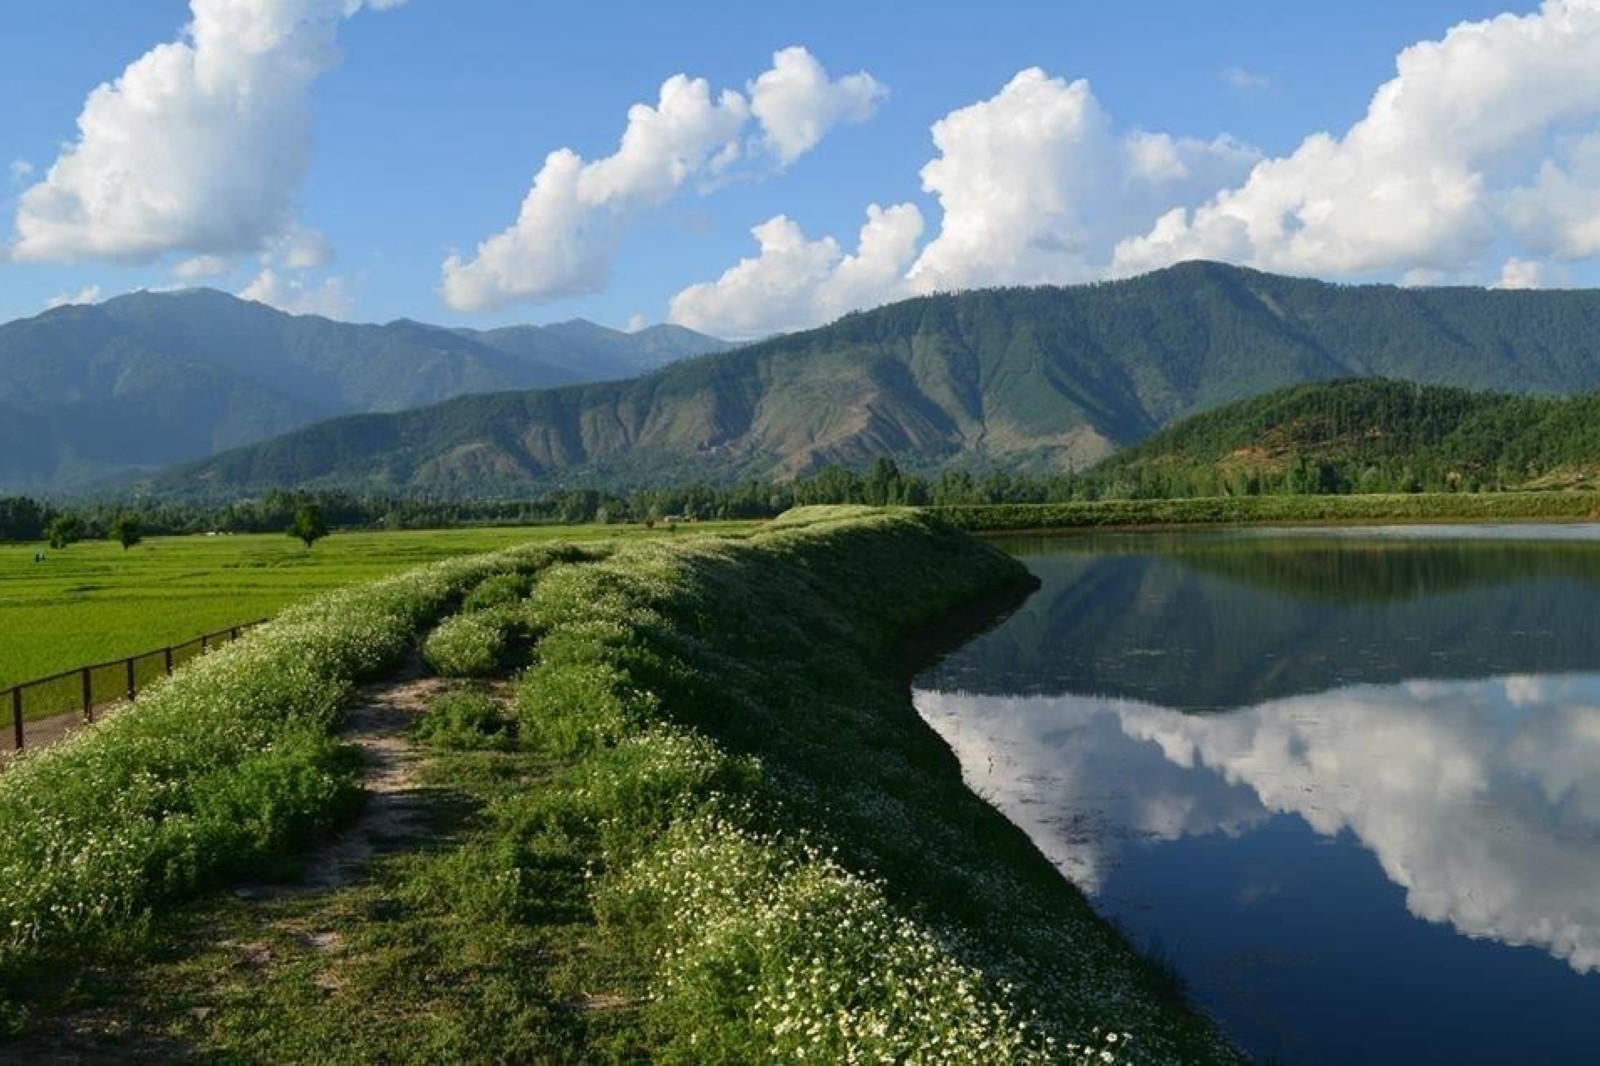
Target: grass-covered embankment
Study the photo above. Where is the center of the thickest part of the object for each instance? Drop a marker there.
(779, 852)
(704, 825)
(1225, 510)
(226, 768)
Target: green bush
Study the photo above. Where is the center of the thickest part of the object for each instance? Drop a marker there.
(465, 719)
(501, 590)
(475, 644)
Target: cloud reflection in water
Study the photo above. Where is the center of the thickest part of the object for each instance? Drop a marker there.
(1480, 798)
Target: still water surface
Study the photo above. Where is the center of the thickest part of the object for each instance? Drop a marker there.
(1349, 784)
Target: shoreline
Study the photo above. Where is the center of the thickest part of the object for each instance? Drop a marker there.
(1255, 511)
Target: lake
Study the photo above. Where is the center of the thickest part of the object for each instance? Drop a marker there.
(1346, 782)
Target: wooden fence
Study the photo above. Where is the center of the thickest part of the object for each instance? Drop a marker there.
(47, 709)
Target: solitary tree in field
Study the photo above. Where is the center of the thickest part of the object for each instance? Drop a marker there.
(309, 526)
(128, 531)
(64, 529)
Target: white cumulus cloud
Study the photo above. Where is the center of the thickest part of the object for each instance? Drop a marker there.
(294, 294)
(198, 146)
(1470, 143)
(570, 225)
(796, 103)
(1036, 186)
(794, 282)
(1521, 274)
(302, 249)
(89, 294)
(202, 266)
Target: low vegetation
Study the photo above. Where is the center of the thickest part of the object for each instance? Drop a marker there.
(94, 601)
(226, 767)
(704, 825)
(1221, 510)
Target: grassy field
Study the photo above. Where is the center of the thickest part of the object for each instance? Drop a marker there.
(94, 602)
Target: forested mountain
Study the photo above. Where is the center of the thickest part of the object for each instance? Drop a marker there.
(1034, 380)
(1366, 435)
(153, 378)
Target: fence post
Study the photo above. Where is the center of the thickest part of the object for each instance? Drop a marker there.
(88, 696)
(167, 654)
(204, 641)
(130, 679)
(233, 634)
(16, 715)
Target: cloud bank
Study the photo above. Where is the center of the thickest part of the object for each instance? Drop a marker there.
(1485, 136)
(199, 145)
(1035, 185)
(1479, 160)
(295, 294)
(570, 225)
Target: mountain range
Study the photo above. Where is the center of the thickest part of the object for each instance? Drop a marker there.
(1029, 379)
(153, 378)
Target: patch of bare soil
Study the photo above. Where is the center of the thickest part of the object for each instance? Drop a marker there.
(379, 725)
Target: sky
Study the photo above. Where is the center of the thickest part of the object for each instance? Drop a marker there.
(745, 169)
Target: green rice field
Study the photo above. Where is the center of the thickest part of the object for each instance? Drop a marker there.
(93, 601)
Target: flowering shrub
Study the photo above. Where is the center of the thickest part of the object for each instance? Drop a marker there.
(472, 644)
(770, 949)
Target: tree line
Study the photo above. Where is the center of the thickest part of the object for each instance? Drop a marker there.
(884, 483)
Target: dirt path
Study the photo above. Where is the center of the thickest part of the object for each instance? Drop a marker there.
(263, 935)
(378, 723)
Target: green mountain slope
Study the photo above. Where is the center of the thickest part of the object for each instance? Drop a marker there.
(1368, 435)
(1031, 379)
(150, 379)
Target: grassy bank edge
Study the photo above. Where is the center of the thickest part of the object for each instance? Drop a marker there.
(1286, 510)
(775, 828)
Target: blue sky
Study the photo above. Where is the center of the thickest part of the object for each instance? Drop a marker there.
(383, 138)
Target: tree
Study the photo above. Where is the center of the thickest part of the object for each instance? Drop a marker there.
(309, 526)
(64, 529)
(127, 531)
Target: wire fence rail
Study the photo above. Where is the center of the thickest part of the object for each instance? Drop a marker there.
(49, 708)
